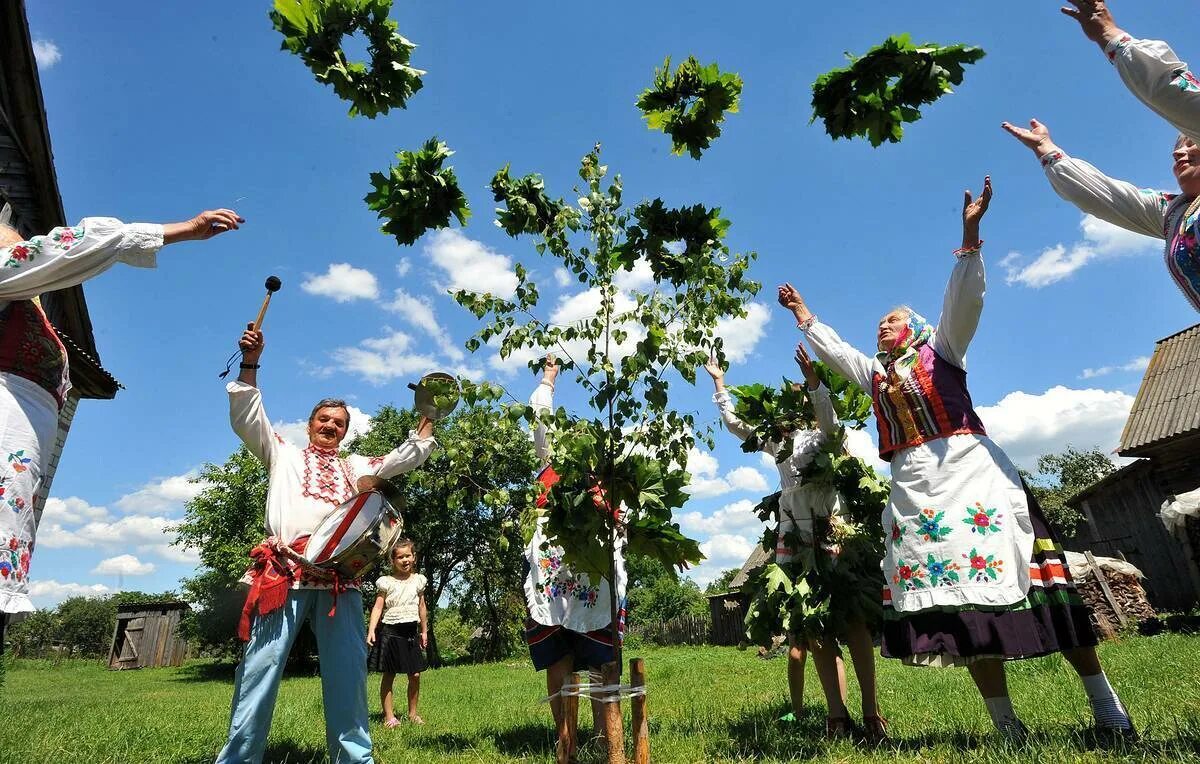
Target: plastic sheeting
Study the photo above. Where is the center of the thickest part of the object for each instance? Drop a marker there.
(1175, 512)
(1081, 568)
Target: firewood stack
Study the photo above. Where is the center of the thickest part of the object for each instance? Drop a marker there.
(1123, 604)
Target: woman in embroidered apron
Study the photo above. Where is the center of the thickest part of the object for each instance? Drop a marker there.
(799, 504)
(1152, 71)
(974, 574)
(34, 378)
(567, 627)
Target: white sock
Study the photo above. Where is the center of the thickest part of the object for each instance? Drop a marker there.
(1003, 715)
(1106, 706)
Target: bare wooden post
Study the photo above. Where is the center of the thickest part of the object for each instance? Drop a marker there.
(568, 732)
(1108, 595)
(641, 726)
(614, 724)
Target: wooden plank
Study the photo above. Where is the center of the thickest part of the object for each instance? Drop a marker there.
(641, 724)
(568, 730)
(614, 724)
(112, 649)
(1108, 595)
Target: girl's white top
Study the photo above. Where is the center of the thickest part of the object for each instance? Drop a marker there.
(554, 594)
(401, 597)
(306, 484)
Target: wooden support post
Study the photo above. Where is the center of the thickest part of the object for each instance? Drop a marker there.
(568, 732)
(641, 726)
(614, 724)
(1108, 595)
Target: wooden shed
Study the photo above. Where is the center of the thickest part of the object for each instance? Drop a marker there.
(728, 609)
(147, 636)
(1122, 509)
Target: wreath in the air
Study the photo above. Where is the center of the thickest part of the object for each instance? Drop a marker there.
(314, 29)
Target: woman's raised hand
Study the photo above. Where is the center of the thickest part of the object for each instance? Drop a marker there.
(1036, 138)
(973, 211)
(714, 369)
(549, 369)
(790, 298)
(1095, 20)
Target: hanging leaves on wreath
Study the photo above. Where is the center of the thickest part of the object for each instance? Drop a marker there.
(690, 104)
(314, 29)
(418, 193)
(884, 88)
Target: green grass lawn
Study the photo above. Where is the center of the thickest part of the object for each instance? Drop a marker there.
(707, 704)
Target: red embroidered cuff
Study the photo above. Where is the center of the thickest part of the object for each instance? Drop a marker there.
(1115, 46)
(968, 251)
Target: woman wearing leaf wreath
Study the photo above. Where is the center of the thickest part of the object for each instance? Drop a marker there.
(799, 506)
(975, 577)
(568, 617)
(1153, 73)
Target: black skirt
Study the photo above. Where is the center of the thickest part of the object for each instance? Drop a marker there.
(397, 649)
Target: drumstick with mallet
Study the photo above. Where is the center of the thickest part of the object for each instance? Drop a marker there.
(273, 285)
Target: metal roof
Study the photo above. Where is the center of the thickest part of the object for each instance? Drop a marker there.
(1167, 407)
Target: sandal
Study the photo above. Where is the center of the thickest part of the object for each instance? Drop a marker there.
(875, 729)
(838, 727)
(393, 722)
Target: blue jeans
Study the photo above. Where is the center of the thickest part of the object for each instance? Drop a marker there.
(342, 647)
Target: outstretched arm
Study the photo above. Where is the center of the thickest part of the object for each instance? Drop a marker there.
(827, 420)
(542, 402)
(246, 413)
(1115, 201)
(70, 255)
(826, 343)
(724, 401)
(963, 302)
(1149, 68)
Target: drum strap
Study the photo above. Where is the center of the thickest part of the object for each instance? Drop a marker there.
(343, 526)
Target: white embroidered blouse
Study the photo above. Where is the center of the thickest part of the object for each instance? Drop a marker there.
(305, 484)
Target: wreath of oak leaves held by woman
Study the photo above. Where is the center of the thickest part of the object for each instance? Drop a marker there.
(418, 193)
(313, 30)
(796, 597)
(627, 452)
(690, 104)
(881, 90)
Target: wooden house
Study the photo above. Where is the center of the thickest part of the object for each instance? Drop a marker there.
(147, 636)
(727, 610)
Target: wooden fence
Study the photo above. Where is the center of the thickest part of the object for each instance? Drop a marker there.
(722, 627)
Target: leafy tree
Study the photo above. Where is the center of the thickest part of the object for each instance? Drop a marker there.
(85, 625)
(690, 104)
(34, 634)
(1059, 477)
(626, 452)
(656, 594)
(720, 584)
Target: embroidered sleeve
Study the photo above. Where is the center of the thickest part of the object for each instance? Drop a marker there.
(961, 308)
(406, 457)
(250, 422)
(1123, 204)
(70, 255)
(542, 402)
(839, 354)
(1153, 73)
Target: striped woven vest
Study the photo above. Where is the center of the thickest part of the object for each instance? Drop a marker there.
(932, 403)
(30, 348)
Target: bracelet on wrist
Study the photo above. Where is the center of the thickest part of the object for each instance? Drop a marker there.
(973, 249)
(806, 323)
(244, 365)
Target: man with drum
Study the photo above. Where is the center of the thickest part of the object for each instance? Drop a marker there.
(305, 484)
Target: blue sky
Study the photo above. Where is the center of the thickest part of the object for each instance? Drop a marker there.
(157, 111)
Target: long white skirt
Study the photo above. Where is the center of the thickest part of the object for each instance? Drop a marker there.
(28, 425)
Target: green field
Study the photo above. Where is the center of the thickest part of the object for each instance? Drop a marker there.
(707, 704)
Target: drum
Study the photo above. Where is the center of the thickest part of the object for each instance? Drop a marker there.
(352, 538)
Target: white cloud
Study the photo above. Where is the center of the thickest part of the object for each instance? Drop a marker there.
(1027, 426)
(297, 432)
(381, 359)
(123, 565)
(403, 267)
(861, 443)
(163, 496)
(640, 277)
(419, 312)
(1137, 364)
(344, 283)
(471, 265)
(563, 277)
(741, 335)
(71, 510)
(747, 479)
(737, 518)
(1100, 240)
(180, 554)
(46, 53)
(48, 593)
(722, 552)
(701, 463)
(128, 531)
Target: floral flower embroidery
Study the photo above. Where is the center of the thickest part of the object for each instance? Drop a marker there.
(16, 504)
(983, 569)
(929, 525)
(983, 521)
(66, 237)
(1187, 82)
(898, 532)
(18, 461)
(942, 572)
(561, 582)
(908, 576)
(19, 254)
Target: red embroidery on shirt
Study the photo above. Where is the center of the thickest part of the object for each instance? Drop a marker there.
(326, 477)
